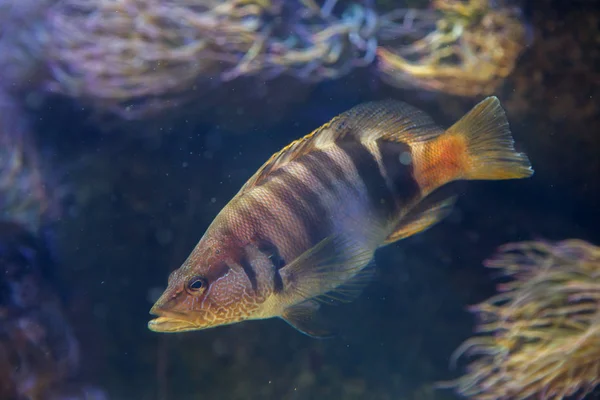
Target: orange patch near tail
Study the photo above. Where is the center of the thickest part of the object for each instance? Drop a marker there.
(442, 160)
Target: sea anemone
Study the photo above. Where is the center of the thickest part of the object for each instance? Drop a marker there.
(540, 336)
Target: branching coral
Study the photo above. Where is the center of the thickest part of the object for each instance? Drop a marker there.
(540, 336)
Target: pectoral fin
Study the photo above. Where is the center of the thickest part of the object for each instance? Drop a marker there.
(304, 317)
(321, 269)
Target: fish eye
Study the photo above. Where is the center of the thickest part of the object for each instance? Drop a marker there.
(196, 284)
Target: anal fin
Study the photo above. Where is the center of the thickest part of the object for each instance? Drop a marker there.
(304, 318)
(422, 217)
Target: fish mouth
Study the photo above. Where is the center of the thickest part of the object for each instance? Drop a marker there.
(168, 322)
(168, 325)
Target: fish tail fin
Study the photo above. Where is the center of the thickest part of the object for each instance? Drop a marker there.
(488, 152)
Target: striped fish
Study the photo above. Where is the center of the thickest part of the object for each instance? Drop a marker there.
(305, 227)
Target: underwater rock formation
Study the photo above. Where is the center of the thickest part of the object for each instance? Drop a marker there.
(23, 193)
(39, 354)
(554, 95)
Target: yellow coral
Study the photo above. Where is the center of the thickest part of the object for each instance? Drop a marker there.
(540, 336)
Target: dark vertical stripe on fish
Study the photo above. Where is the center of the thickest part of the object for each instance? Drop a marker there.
(367, 168)
(321, 161)
(317, 165)
(272, 252)
(314, 216)
(249, 270)
(398, 172)
(277, 282)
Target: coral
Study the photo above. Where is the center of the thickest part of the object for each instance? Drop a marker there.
(540, 336)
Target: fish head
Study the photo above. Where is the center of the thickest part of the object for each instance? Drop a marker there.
(208, 290)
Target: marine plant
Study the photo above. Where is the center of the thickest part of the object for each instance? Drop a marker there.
(540, 336)
(137, 57)
(473, 47)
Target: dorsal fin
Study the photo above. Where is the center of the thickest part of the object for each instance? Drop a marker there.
(388, 119)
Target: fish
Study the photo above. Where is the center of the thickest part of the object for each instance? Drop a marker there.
(303, 230)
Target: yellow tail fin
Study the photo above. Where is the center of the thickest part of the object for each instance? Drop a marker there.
(489, 146)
